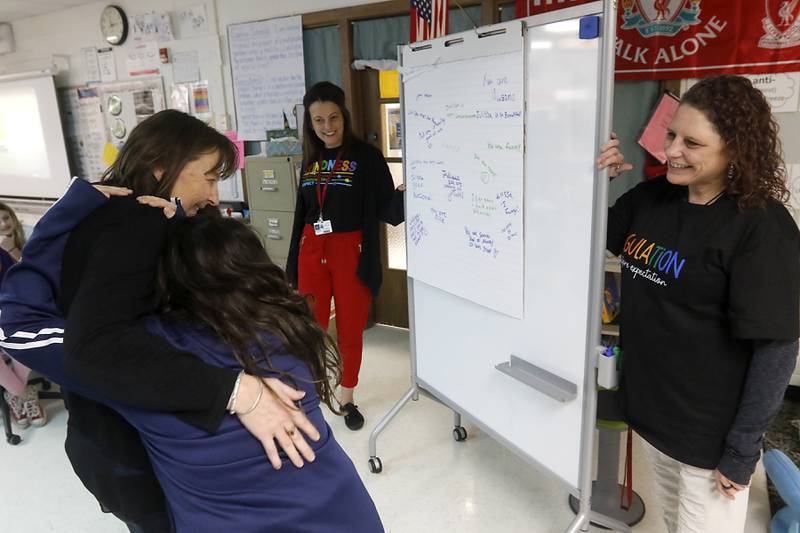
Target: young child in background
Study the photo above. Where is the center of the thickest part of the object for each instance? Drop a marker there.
(22, 399)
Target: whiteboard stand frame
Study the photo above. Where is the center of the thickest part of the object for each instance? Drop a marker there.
(585, 515)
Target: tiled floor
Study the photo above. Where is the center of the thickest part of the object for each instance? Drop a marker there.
(430, 483)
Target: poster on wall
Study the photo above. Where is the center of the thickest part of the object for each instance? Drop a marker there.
(192, 98)
(268, 73)
(143, 59)
(126, 104)
(90, 64)
(151, 25)
(85, 130)
(107, 65)
(191, 21)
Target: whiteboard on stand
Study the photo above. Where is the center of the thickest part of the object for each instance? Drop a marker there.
(470, 313)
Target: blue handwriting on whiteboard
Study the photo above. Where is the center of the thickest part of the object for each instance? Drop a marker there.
(503, 97)
(508, 232)
(453, 184)
(482, 242)
(415, 163)
(485, 114)
(416, 229)
(506, 199)
(439, 216)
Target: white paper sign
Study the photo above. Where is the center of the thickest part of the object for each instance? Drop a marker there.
(465, 191)
(793, 174)
(107, 64)
(268, 73)
(85, 131)
(151, 25)
(90, 64)
(191, 21)
(782, 90)
(143, 59)
(185, 66)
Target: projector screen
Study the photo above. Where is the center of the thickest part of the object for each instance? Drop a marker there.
(33, 157)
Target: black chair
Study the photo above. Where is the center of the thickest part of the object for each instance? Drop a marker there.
(44, 394)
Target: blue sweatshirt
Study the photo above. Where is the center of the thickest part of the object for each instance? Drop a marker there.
(213, 482)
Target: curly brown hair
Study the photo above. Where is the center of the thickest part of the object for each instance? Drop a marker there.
(215, 271)
(741, 115)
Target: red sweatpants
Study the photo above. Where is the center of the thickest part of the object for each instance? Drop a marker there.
(327, 267)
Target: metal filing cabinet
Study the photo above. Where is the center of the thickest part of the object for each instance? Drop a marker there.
(272, 194)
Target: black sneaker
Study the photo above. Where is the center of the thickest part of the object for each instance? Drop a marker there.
(353, 418)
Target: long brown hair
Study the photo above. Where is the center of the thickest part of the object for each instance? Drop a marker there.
(18, 232)
(215, 270)
(323, 91)
(167, 140)
(742, 117)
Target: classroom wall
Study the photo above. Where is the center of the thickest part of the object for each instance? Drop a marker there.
(57, 38)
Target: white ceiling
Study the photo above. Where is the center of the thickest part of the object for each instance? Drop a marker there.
(11, 10)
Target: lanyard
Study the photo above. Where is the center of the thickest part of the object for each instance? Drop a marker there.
(322, 194)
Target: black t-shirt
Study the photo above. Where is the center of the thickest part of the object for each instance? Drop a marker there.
(360, 194)
(699, 284)
(346, 174)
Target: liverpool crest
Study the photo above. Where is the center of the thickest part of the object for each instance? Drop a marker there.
(781, 24)
(660, 17)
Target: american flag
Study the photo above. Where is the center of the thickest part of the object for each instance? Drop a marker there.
(428, 19)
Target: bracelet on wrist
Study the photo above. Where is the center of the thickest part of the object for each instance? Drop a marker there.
(257, 401)
(232, 399)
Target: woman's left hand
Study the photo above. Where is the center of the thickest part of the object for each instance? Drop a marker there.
(726, 487)
(154, 201)
(401, 187)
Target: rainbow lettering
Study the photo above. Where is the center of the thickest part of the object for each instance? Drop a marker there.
(653, 255)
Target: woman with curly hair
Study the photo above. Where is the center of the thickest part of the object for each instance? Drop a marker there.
(711, 301)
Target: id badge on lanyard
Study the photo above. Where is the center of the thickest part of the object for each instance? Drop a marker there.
(322, 226)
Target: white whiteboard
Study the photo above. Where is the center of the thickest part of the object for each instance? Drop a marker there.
(33, 156)
(268, 73)
(465, 188)
(456, 342)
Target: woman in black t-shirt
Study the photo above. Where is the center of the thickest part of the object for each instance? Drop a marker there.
(345, 190)
(710, 301)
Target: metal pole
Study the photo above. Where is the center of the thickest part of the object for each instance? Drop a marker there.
(597, 262)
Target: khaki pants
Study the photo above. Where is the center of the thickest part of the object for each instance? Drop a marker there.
(690, 498)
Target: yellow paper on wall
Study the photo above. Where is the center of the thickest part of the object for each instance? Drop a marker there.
(389, 83)
(109, 154)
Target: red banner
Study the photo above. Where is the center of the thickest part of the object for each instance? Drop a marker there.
(662, 39)
(525, 8)
(671, 39)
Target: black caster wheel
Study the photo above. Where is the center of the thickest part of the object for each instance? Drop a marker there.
(460, 434)
(375, 465)
(13, 439)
